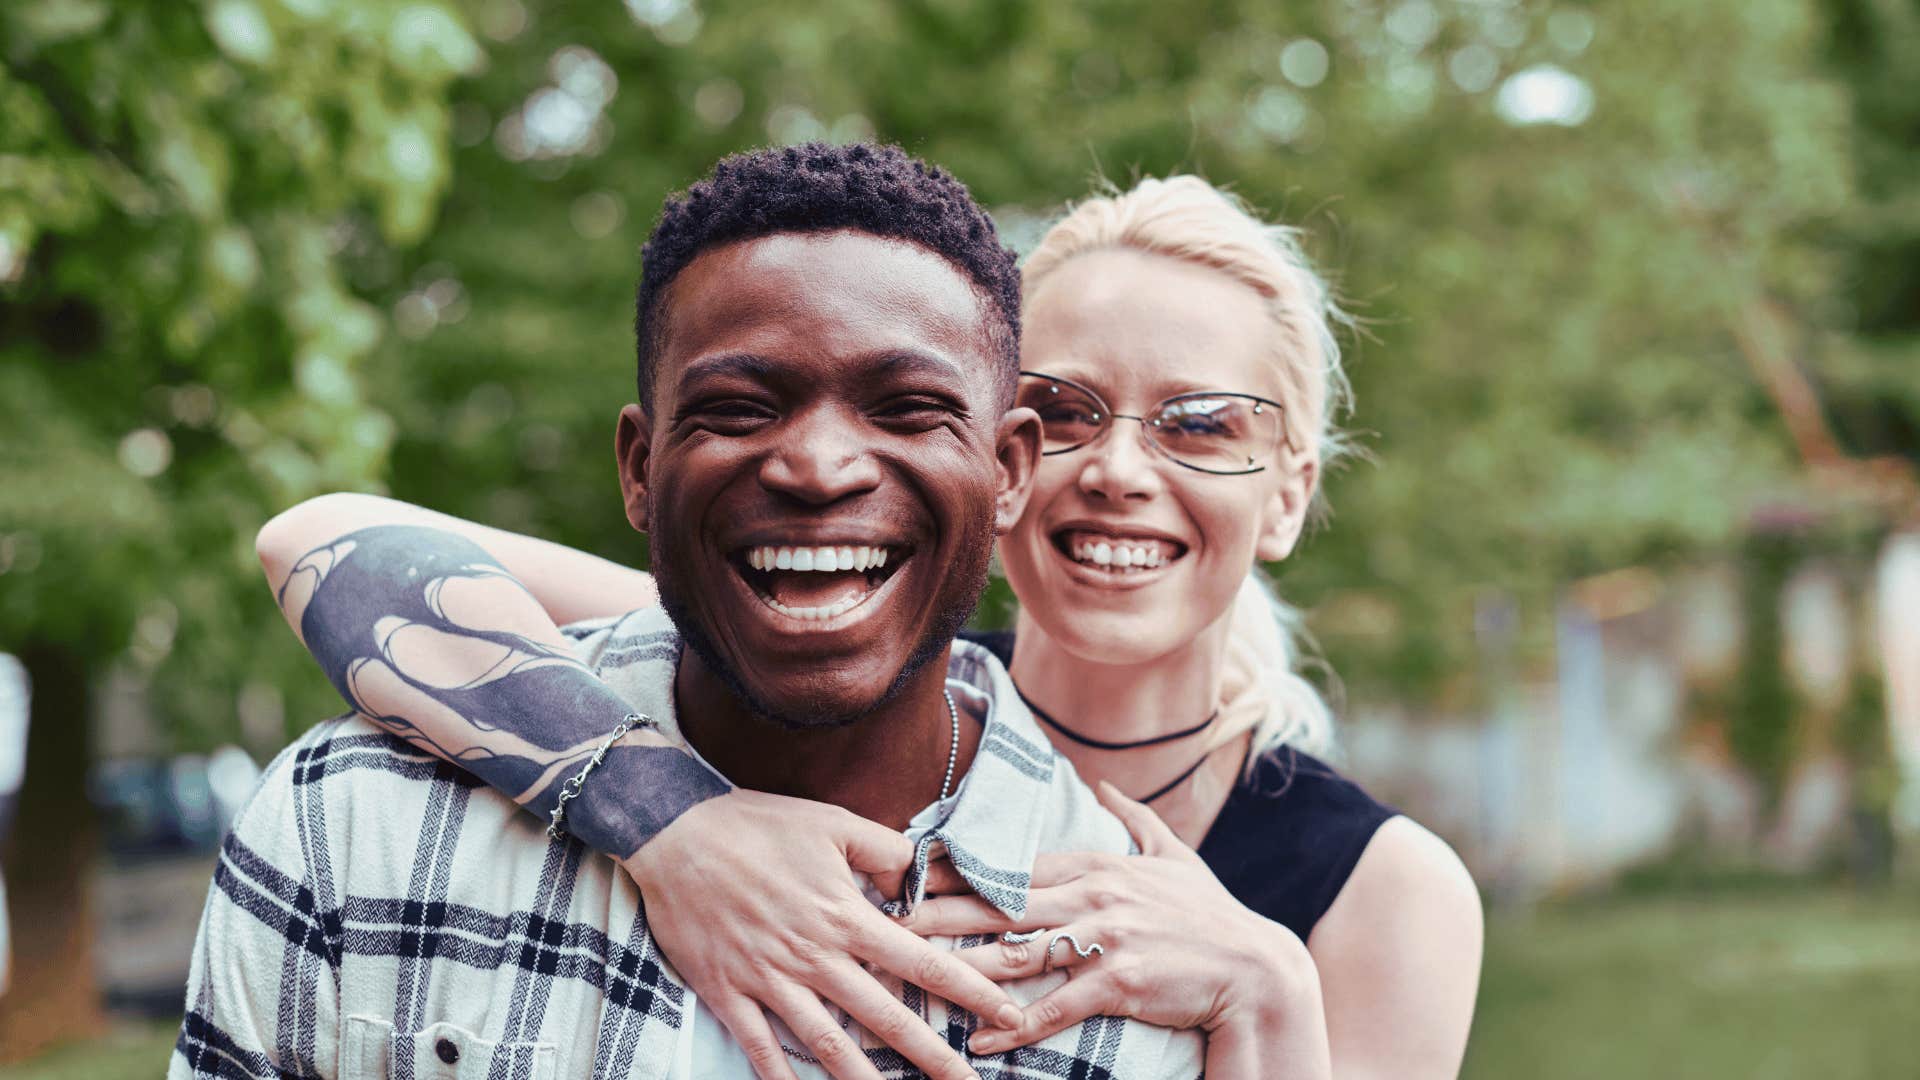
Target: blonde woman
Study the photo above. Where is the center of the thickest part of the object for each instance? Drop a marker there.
(1180, 354)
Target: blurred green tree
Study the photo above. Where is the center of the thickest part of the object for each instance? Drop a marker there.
(1874, 381)
(180, 352)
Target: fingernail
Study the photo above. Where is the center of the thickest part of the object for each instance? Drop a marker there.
(1007, 1017)
(983, 1043)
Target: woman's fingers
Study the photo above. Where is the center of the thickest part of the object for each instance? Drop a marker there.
(958, 916)
(955, 916)
(876, 851)
(943, 974)
(747, 1022)
(1152, 834)
(1085, 995)
(896, 1025)
(1060, 867)
(821, 1036)
(944, 880)
(1070, 947)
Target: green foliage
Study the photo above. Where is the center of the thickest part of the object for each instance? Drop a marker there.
(1550, 387)
(1762, 725)
(179, 348)
(1873, 377)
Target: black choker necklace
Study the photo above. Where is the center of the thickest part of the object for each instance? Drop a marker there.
(1102, 744)
(1176, 781)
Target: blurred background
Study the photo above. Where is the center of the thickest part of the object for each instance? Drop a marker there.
(1626, 603)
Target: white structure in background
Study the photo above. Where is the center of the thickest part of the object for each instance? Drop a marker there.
(15, 694)
(1563, 781)
(231, 777)
(1898, 606)
(1817, 631)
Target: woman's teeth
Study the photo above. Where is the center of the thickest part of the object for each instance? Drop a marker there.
(1123, 556)
(831, 559)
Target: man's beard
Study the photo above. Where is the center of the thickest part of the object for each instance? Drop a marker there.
(956, 603)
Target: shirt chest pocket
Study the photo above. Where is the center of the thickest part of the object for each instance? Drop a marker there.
(372, 1050)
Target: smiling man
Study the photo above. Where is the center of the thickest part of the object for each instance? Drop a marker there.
(821, 456)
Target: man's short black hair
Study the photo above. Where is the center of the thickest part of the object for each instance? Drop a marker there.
(816, 187)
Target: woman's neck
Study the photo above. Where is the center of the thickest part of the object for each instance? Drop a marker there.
(1126, 703)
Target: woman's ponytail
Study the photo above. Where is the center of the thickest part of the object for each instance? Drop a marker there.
(1264, 690)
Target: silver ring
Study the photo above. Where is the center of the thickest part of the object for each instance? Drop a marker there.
(1093, 948)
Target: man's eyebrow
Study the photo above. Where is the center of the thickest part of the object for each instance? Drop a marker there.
(744, 365)
(915, 362)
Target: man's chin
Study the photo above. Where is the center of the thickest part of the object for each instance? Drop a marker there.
(814, 704)
(824, 719)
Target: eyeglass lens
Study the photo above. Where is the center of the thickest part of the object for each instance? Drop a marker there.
(1211, 432)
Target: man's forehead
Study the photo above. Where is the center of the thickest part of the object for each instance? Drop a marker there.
(840, 293)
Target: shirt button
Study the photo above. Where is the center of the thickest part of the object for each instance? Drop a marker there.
(447, 1052)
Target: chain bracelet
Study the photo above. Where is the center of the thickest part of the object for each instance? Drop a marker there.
(556, 827)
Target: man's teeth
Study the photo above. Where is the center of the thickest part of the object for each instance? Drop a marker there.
(831, 559)
(816, 614)
(1123, 556)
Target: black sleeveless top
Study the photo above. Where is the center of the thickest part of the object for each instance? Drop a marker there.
(1289, 834)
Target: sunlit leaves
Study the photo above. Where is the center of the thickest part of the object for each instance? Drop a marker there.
(182, 188)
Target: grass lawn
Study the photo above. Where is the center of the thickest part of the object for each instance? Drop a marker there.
(1791, 985)
(1787, 985)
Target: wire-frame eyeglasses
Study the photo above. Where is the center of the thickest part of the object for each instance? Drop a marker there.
(1226, 434)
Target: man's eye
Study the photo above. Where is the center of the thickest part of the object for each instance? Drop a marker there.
(729, 413)
(931, 410)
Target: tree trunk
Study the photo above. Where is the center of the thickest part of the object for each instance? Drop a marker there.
(54, 996)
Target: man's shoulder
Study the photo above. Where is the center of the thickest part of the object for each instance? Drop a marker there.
(1075, 820)
(620, 641)
(337, 754)
(349, 798)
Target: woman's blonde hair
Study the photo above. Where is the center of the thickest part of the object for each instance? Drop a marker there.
(1184, 217)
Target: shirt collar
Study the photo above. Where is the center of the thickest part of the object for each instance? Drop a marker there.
(991, 828)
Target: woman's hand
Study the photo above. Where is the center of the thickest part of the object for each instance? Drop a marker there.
(754, 898)
(1177, 950)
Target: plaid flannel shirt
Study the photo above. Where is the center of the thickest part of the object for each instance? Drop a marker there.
(378, 913)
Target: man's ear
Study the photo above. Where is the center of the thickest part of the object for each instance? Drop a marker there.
(1017, 448)
(1285, 514)
(631, 442)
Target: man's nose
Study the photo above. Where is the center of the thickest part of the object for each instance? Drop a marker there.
(823, 457)
(1120, 465)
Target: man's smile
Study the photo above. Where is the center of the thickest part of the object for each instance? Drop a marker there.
(819, 584)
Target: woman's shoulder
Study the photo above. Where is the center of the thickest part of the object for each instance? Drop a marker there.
(1401, 946)
(1290, 835)
(1407, 860)
(1287, 783)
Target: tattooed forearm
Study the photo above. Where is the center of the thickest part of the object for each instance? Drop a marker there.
(425, 633)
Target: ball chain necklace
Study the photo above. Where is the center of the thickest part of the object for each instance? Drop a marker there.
(953, 748)
(946, 789)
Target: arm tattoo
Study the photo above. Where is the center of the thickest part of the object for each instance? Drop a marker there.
(426, 634)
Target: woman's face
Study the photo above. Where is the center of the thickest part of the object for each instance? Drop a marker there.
(1138, 329)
